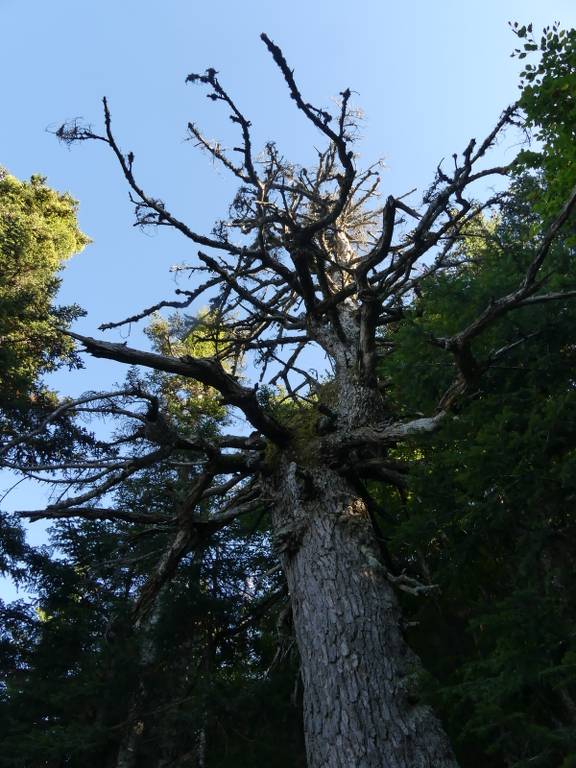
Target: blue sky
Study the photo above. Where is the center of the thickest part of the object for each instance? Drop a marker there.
(428, 77)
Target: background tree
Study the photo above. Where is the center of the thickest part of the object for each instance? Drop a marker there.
(489, 513)
(38, 233)
(86, 687)
(306, 259)
(488, 516)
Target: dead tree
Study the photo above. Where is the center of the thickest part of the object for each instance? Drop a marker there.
(308, 260)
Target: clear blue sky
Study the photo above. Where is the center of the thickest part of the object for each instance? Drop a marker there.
(428, 75)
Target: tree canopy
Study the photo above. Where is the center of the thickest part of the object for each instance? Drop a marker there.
(38, 233)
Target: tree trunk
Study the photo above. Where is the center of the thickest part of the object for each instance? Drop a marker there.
(359, 675)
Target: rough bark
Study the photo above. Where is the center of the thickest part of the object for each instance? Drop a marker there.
(359, 675)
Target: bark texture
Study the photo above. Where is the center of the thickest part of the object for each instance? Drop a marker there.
(357, 670)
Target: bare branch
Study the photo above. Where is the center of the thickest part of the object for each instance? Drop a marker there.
(544, 297)
(219, 94)
(321, 120)
(190, 533)
(96, 513)
(205, 370)
(191, 296)
(113, 480)
(386, 434)
(156, 206)
(521, 295)
(68, 405)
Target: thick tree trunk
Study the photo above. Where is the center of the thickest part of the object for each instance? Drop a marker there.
(358, 673)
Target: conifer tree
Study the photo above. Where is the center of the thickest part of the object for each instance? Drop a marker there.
(38, 233)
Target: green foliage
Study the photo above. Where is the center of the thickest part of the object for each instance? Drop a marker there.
(38, 233)
(74, 669)
(186, 399)
(302, 420)
(489, 516)
(549, 102)
(78, 674)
